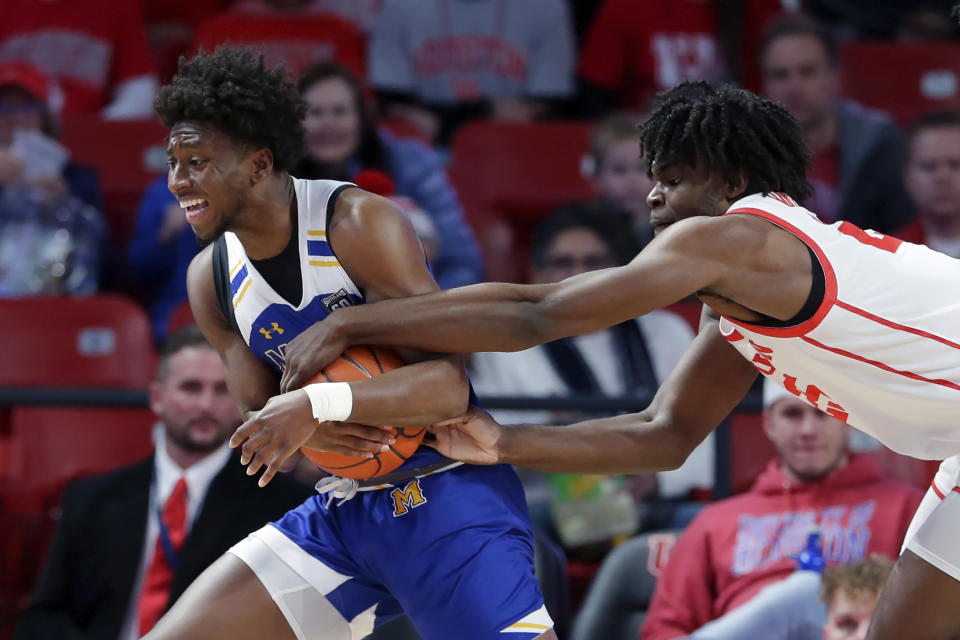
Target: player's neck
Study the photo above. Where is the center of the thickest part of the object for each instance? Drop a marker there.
(265, 225)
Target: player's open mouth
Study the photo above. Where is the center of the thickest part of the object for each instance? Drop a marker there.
(194, 207)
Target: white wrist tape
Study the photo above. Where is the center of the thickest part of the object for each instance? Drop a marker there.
(330, 400)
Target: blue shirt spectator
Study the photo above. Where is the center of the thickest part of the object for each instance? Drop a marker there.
(343, 142)
(160, 252)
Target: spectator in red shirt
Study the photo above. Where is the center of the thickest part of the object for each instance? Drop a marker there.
(635, 49)
(94, 50)
(933, 180)
(858, 153)
(736, 547)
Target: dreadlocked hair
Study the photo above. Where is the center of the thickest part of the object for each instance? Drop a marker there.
(232, 91)
(732, 131)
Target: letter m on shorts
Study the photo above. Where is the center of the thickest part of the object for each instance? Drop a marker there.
(410, 497)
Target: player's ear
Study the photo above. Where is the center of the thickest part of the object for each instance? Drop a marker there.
(261, 164)
(737, 188)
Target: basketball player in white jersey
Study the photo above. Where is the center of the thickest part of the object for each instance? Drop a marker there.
(863, 326)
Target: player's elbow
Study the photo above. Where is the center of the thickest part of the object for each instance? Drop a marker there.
(452, 397)
(678, 446)
(672, 446)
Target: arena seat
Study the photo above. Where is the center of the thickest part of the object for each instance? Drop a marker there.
(49, 448)
(53, 445)
(509, 176)
(171, 26)
(29, 523)
(101, 341)
(181, 317)
(127, 154)
(298, 41)
(750, 450)
(690, 311)
(915, 77)
(620, 594)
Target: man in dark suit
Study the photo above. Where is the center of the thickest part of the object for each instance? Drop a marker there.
(129, 542)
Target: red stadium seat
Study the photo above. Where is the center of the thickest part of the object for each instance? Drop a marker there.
(511, 175)
(101, 341)
(50, 447)
(690, 311)
(750, 450)
(53, 445)
(904, 80)
(298, 41)
(181, 317)
(127, 154)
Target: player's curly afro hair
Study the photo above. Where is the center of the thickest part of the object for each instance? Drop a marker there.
(733, 132)
(232, 91)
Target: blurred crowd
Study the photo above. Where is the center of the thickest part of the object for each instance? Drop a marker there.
(505, 130)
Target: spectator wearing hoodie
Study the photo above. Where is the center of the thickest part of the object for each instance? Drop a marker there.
(736, 547)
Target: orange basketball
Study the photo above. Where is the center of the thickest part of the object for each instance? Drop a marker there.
(360, 363)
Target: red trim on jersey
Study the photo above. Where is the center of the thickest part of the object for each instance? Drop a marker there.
(936, 490)
(829, 294)
(880, 365)
(893, 325)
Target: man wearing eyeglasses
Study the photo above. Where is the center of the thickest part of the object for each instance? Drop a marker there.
(631, 358)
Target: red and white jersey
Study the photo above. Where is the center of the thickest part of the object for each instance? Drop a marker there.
(882, 351)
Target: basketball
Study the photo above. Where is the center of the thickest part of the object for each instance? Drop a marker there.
(360, 363)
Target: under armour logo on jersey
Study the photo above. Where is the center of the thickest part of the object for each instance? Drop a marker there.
(410, 497)
(274, 328)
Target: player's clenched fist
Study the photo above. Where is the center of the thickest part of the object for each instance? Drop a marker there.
(311, 351)
(286, 423)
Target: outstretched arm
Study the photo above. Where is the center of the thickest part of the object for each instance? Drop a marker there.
(690, 256)
(707, 384)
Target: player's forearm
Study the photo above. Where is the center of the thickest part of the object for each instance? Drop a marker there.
(483, 317)
(414, 395)
(634, 443)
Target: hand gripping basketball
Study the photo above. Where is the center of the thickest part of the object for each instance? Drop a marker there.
(360, 363)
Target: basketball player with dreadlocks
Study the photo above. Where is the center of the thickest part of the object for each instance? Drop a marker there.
(861, 325)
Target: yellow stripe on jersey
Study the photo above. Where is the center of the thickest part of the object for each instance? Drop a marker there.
(242, 291)
(536, 622)
(324, 263)
(322, 234)
(516, 626)
(233, 270)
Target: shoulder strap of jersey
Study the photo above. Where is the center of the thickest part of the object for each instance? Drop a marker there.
(221, 280)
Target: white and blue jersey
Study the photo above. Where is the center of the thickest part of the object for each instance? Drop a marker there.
(453, 549)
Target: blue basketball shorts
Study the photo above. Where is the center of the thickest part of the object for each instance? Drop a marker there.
(452, 550)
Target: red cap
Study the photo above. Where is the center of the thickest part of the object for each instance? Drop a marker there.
(25, 76)
(375, 181)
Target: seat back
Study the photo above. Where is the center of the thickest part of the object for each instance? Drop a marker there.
(927, 77)
(297, 42)
(127, 154)
(511, 175)
(616, 603)
(750, 450)
(53, 445)
(100, 341)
